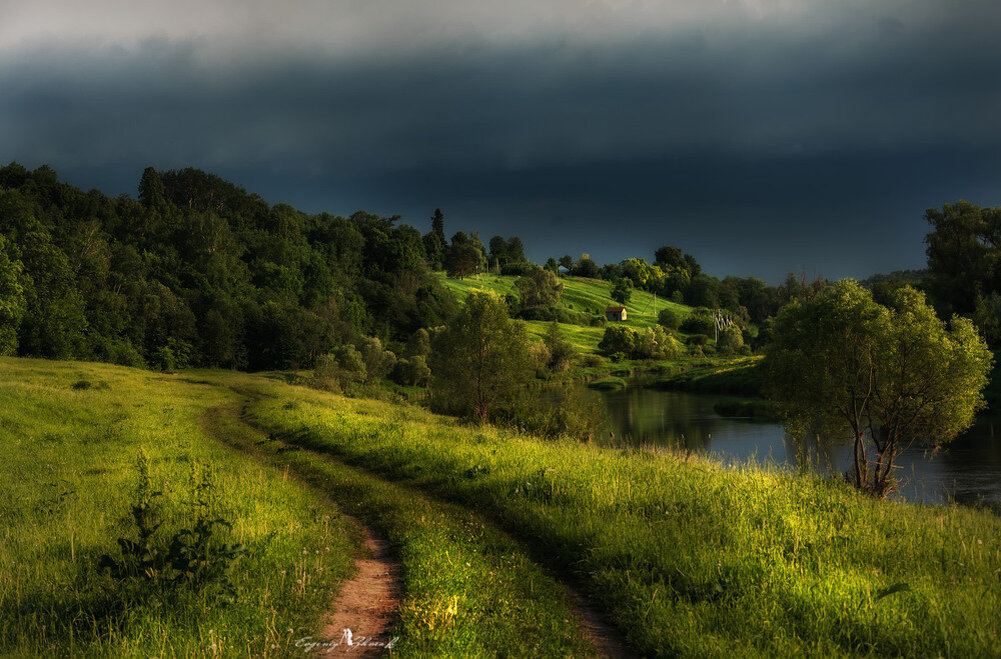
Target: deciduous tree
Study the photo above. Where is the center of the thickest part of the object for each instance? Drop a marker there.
(888, 376)
(480, 360)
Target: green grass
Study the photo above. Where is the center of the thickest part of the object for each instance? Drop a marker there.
(470, 589)
(688, 557)
(734, 376)
(71, 432)
(590, 296)
(66, 481)
(607, 383)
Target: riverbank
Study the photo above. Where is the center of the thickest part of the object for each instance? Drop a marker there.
(735, 377)
(685, 556)
(688, 557)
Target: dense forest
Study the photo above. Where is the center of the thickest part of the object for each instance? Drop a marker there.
(197, 271)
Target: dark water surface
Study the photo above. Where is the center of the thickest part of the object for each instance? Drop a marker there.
(967, 471)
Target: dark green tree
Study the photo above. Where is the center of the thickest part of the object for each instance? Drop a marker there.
(886, 376)
(480, 360)
(618, 340)
(622, 290)
(562, 353)
(539, 288)
(668, 319)
(12, 303)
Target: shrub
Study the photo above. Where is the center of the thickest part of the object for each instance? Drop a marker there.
(414, 371)
(378, 362)
(668, 319)
(699, 322)
(730, 340)
(164, 360)
(697, 340)
(573, 414)
(593, 360)
(609, 383)
(618, 339)
(559, 314)
(654, 343)
(622, 291)
(194, 558)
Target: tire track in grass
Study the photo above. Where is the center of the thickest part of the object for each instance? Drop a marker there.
(368, 603)
(363, 612)
(468, 588)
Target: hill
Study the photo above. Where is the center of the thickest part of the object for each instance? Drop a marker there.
(590, 296)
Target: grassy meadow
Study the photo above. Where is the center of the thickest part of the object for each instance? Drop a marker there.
(71, 434)
(686, 557)
(590, 296)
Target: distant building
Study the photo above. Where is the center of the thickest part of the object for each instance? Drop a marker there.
(615, 313)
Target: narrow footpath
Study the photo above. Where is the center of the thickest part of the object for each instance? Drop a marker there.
(364, 615)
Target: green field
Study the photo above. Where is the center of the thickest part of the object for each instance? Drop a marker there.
(71, 434)
(590, 296)
(690, 558)
(685, 556)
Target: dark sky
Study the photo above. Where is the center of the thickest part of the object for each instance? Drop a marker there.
(762, 137)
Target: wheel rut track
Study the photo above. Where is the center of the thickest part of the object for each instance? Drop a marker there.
(371, 598)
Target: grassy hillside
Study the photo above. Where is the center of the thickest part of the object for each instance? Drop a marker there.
(688, 557)
(590, 296)
(70, 434)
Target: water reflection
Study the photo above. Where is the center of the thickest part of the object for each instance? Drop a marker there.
(969, 471)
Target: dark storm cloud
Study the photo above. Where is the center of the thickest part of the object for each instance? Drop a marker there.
(776, 141)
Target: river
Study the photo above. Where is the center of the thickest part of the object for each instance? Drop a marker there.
(968, 471)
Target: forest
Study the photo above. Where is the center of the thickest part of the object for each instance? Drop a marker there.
(196, 271)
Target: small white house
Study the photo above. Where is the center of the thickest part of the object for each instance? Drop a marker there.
(615, 313)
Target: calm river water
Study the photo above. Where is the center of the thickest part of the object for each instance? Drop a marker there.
(967, 471)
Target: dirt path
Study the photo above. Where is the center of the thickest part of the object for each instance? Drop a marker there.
(361, 617)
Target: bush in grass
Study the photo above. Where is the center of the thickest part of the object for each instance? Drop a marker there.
(562, 353)
(622, 290)
(654, 343)
(699, 322)
(592, 360)
(697, 340)
(607, 383)
(730, 340)
(193, 558)
(558, 314)
(378, 362)
(668, 319)
(567, 412)
(340, 370)
(618, 339)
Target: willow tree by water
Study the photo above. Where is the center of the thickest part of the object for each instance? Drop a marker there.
(887, 375)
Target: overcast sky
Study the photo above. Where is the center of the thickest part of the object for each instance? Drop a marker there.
(761, 136)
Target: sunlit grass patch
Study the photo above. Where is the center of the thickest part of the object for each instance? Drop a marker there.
(67, 482)
(689, 557)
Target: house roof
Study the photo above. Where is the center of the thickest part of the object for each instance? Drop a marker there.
(608, 309)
